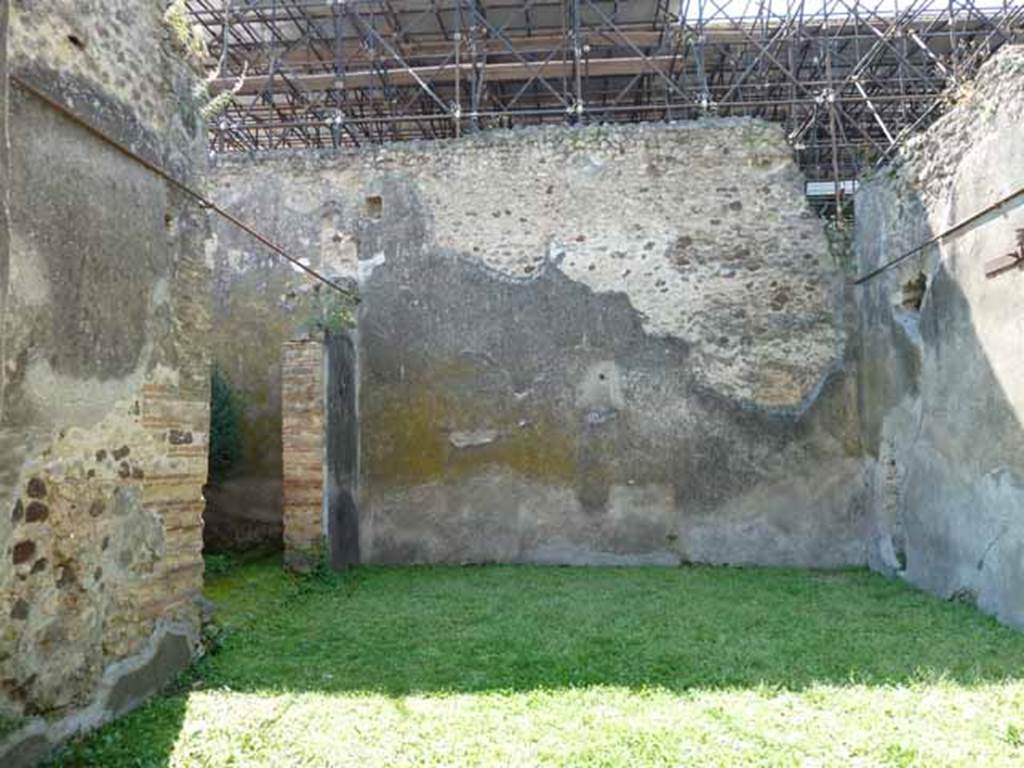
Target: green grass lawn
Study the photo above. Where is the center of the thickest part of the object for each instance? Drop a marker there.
(583, 667)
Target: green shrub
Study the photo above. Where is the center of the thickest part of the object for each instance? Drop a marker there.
(225, 427)
(218, 564)
(9, 725)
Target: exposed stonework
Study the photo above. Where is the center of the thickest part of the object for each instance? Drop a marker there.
(942, 374)
(105, 316)
(106, 44)
(302, 428)
(590, 345)
(648, 211)
(703, 227)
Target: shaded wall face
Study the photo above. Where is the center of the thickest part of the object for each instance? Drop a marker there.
(104, 392)
(942, 386)
(600, 345)
(258, 304)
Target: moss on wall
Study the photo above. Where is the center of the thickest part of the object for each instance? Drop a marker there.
(406, 438)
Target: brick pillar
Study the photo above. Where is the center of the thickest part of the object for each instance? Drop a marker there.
(302, 445)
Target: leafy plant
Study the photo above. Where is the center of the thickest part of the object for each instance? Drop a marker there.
(187, 35)
(218, 564)
(218, 105)
(323, 577)
(9, 725)
(214, 106)
(1014, 736)
(214, 635)
(330, 311)
(225, 427)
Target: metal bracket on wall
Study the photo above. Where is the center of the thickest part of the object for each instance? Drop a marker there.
(1014, 260)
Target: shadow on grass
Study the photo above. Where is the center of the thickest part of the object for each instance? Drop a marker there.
(436, 630)
(424, 630)
(144, 738)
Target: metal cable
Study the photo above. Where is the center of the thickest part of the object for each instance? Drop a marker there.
(178, 184)
(942, 235)
(210, 205)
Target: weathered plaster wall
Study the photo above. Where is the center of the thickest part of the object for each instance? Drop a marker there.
(942, 386)
(341, 454)
(259, 304)
(104, 379)
(250, 324)
(604, 345)
(320, 451)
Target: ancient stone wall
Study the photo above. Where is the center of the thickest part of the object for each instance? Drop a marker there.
(601, 345)
(104, 377)
(260, 303)
(942, 368)
(251, 321)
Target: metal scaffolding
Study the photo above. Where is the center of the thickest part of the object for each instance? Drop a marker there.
(848, 79)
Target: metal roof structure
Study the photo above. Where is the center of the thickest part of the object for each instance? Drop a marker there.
(848, 79)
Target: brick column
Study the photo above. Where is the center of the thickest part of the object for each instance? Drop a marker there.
(302, 445)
